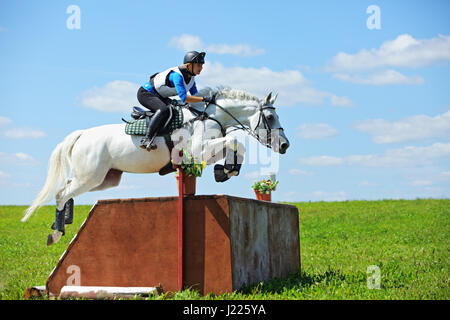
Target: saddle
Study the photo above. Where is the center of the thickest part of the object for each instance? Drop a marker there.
(139, 113)
(139, 125)
(142, 119)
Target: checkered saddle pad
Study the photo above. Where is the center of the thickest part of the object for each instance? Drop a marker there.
(139, 127)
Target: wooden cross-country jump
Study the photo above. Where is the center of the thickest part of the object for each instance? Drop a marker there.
(210, 243)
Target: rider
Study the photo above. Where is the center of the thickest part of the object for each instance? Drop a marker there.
(154, 94)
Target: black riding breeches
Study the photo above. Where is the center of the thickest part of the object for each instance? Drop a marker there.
(152, 101)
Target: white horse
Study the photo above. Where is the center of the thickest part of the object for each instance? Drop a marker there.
(95, 158)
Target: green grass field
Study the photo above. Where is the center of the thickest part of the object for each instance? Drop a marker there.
(408, 240)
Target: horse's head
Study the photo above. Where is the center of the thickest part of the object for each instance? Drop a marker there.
(261, 122)
(266, 124)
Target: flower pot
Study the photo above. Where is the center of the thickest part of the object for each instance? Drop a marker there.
(263, 196)
(188, 184)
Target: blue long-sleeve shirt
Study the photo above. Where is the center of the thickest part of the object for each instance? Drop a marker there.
(177, 81)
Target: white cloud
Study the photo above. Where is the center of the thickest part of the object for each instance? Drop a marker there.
(17, 158)
(291, 85)
(237, 49)
(115, 96)
(23, 156)
(415, 128)
(239, 77)
(446, 173)
(405, 157)
(404, 51)
(299, 172)
(409, 156)
(386, 77)
(317, 131)
(340, 101)
(187, 42)
(20, 133)
(4, 121)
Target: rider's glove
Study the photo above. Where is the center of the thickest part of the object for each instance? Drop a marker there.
(210, 100)
(176, 103)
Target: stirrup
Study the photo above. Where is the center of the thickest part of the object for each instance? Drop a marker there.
(148, 143)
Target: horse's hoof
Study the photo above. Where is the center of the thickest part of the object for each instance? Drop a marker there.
(232, 170)
(232, 174)
(54, 237)
(219, 174)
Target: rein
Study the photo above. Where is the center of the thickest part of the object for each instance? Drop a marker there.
(203, 115)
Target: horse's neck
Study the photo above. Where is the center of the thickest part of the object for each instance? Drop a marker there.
(239, 109)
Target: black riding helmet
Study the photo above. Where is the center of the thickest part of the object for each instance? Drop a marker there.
(194, 57)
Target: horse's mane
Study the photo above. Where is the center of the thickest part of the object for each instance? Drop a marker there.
(227, 93)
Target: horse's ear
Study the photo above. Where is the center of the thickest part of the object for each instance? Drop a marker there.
(267, 100)
(273, 99)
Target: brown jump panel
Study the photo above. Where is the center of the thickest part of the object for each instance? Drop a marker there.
(228, 242)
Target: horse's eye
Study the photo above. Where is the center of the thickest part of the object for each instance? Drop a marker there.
(270, 117)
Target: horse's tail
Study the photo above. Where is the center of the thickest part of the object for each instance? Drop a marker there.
(57, 174)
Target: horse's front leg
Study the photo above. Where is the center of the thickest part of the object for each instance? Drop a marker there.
(234, 158)
(212, 150)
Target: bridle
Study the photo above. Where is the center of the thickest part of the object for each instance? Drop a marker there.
(202, 115)
(266, 126)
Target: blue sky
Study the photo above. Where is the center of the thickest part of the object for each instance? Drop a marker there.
(367, 111)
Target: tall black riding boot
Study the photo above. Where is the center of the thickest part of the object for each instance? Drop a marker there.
(155, 123)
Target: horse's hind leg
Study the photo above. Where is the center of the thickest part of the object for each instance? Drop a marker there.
(67, 212)
(64, 199)
(112, 179)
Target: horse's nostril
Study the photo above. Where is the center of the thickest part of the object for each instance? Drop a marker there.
(284, 146)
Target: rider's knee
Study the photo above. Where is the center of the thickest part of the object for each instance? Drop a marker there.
(165, 111)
